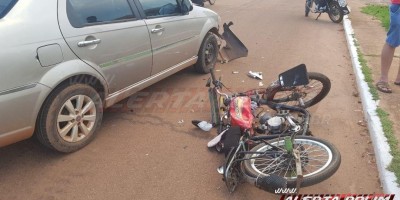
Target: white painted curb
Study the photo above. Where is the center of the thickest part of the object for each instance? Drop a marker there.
(379, 141)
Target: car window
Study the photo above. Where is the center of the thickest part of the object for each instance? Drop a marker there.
(160, 8)
(91, 12)
(5, 6)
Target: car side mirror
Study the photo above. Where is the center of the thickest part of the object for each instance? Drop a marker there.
(186, 6)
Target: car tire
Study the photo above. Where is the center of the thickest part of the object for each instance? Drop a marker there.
(69, 117)
(208, 53)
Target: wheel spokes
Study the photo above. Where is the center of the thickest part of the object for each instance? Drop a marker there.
(314, 157)
(63, 132)
(88, 106)
(65, 118)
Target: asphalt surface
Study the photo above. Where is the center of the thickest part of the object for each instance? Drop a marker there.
(148, 149)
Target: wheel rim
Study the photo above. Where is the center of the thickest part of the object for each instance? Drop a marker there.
(209, 53)
(307, 92)
(315, 157)
(76, 118)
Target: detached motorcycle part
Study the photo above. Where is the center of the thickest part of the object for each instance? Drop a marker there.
(294, 77)
(234, 48)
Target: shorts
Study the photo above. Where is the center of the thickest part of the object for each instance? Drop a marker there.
(393, 35)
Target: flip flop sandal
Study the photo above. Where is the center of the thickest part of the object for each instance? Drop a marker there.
(383, 87)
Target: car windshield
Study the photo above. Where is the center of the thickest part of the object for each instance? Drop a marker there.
(5, 6)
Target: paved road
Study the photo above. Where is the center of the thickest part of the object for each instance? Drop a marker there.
(147, 148)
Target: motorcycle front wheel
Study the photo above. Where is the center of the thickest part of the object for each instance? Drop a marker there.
(319, 160)
(318, 87)
(308, 6)
(335, 12)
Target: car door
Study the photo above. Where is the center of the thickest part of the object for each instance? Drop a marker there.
(174, 36)
(109, 35)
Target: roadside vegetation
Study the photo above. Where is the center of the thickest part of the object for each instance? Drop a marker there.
(381, 12)
(367, 73)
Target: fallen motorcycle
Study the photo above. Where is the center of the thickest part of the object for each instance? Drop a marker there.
(270, 150)
(305, 93)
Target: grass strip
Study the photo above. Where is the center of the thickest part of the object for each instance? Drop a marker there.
(380, 12)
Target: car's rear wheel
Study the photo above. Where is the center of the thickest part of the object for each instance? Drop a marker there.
(208, 53)
(69, 117)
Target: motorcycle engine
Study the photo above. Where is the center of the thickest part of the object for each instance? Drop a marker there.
(269, 124)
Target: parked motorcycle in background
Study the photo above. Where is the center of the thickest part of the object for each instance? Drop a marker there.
(201, 2)
(336, 9)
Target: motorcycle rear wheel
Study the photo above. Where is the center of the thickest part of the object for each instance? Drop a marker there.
(319, 160)
(335, 12)
(317, 89)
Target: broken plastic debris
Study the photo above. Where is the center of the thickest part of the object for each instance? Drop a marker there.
(260, 84)
(215, 140)
(256, 75)
(361, 123)
(181, 121)
(217, 70)
(235, 72)
(203, 125)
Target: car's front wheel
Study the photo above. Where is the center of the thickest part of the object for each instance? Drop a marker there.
(208, 54)
(69, 117)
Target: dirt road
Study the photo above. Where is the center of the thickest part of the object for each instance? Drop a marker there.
(148, 149)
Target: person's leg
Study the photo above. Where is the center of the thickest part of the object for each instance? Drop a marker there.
(392, 41)
(386, 61)
(397, 80)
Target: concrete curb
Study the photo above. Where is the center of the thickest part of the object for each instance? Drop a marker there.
(381, 147)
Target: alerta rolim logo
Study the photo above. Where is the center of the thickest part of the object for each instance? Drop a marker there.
(338, 197)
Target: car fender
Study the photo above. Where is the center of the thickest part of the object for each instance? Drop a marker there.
(212, 24)
(65, 70)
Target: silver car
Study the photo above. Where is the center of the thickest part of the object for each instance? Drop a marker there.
(64, 61)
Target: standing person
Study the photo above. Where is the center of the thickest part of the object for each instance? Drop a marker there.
(392, 41)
